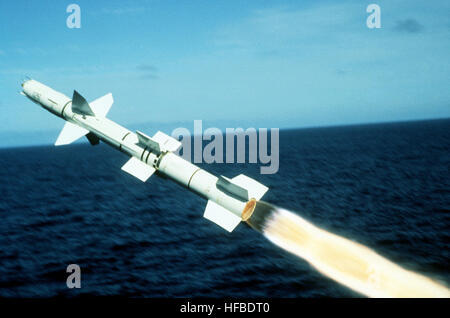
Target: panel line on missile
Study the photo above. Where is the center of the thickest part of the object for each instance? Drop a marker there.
(158, 159)
(146, 159)
(142, 154)
(64, 108)
(190, 179)
(123, 138)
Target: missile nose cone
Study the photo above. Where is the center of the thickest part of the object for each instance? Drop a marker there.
(24, 80)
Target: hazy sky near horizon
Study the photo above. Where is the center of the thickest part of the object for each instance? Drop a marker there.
(281, 64)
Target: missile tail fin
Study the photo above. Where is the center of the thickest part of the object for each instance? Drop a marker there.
(138, 169)
(221, 216)
(230, 188)
(255, 189)
(70, 133)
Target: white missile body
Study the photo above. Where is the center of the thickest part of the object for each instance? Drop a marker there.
(227, 198)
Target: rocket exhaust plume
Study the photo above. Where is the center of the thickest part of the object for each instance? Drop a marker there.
(347, 262)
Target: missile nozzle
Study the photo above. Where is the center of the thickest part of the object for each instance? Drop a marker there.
(258, 213)
(248, 209)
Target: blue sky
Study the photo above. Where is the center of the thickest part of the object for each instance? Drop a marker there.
(257, 63)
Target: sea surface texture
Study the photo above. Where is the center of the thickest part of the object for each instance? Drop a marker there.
(386, 186)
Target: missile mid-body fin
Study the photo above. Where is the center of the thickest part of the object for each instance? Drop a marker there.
(166, 142)
(148, 142)
(138, 169)
(159, 142)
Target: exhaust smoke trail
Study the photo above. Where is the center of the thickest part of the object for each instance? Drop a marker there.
(349, 263)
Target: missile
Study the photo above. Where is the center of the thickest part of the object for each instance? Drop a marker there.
(230, 200)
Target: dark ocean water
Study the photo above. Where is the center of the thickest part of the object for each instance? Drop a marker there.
(386, 186)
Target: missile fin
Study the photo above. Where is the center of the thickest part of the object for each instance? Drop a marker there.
(221, 216)
(229, 187)
(80, 105)
(166, 142)
(138, 169)
(146, 141)
(102, 105)
(70, 133)
(255, 189)
(93, 139)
